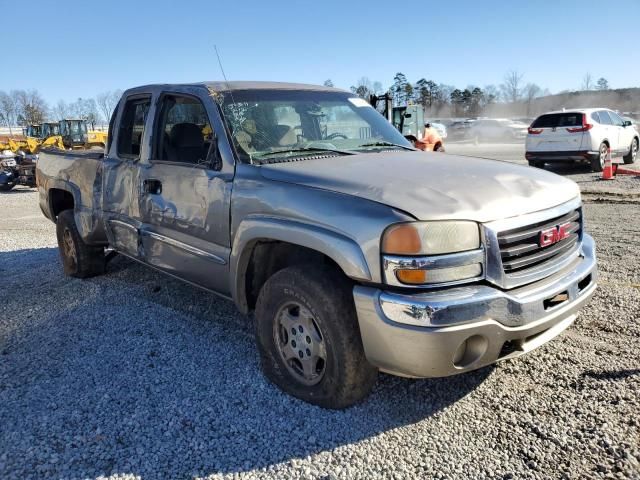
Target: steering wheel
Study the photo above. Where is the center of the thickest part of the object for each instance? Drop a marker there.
(336, 135)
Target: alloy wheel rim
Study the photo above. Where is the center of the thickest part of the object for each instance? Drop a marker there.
(603, 155)
(634, 150)
(300, 343)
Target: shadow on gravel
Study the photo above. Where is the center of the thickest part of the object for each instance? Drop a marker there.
(569, 168)
(17, 190)
(613, 375)
(134, 373)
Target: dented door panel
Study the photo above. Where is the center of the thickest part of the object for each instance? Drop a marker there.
(185, 225)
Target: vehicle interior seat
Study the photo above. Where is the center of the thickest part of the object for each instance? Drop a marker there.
(186, 143)
(286, 135)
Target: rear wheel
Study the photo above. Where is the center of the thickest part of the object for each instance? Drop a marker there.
(78, 259)
(5, 187)
(308, 337)
(633, 152)
(597, 163)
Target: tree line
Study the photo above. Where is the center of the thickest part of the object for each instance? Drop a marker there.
(513, 96)
(28, 107)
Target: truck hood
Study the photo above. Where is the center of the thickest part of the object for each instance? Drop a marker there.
(432, 186)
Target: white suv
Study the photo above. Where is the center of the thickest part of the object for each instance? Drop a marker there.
(581, 134)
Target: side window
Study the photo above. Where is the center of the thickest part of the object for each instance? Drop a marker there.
(111, 133)
(615, 118)
(183, 132)
(604, 117)
(596, 117)
(131, 129)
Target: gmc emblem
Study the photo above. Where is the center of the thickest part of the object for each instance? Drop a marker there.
(554, 234)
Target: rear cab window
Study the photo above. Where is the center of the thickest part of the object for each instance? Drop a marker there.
(555, 120)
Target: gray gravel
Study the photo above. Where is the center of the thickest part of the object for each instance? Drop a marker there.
(134, 375)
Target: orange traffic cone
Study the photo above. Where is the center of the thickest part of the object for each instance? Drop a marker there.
(607, 172)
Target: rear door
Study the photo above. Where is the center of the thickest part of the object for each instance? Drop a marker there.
(186, 191)
(556, 132)
(611, 132)
(121, 187)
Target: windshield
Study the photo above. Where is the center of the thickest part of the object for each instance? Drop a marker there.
(282, 124)
(77, 127)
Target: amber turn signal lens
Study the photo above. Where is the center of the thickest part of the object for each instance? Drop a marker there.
(412, 277)
(403, 239)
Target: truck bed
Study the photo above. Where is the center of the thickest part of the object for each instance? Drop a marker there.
(72, 179)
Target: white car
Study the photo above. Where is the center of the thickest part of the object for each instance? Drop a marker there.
(497, 129)
(581, 134)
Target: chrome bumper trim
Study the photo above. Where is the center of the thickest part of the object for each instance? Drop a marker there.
(421, 335)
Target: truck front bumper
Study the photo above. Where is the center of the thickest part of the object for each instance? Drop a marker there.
(450, 331)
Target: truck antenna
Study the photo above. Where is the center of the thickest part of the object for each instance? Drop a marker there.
(220, 64)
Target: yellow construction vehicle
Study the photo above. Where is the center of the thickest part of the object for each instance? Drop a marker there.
(75, 134)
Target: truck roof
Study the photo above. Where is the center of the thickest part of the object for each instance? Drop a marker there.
(234, 85)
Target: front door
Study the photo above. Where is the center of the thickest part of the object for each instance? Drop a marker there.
(185, 195)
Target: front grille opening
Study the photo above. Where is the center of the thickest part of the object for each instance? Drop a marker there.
(533, 245)
(584, 283)
(556, 300)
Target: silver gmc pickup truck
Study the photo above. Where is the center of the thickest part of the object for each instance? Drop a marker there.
(356, 252)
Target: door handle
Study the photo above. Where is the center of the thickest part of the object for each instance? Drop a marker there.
(152, 186)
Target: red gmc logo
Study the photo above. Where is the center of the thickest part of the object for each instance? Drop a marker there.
(554, 234)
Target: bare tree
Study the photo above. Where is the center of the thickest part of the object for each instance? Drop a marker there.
(512, 86)
(107, 102)
(8, 110)
(587, 82)
(60, 110)
(364, 88)
(32, 109)
(531, 91)
(328, 83)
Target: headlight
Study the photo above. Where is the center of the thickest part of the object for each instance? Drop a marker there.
(428, 253)
(430, 238)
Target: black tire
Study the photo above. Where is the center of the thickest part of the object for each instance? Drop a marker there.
(325, 293)
(5, 187)
(78, 259)
(633, 152)
(536, 164)
(597, 163)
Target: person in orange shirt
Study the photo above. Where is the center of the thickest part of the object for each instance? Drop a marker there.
(432, 140)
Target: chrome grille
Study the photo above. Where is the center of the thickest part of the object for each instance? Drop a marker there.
(520, 248)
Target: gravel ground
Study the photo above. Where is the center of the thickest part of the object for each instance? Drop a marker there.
(133, 375)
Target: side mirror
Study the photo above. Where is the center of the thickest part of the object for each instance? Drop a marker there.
(407, 115)
(626, 123)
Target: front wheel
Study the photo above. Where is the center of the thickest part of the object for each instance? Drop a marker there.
(633, 152)
(597, 163)
(308, 337)
(78, 259)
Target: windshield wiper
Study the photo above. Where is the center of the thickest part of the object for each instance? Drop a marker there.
(386, 144)
(301, 150)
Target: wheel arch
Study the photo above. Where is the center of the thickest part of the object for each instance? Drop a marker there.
(280, 243)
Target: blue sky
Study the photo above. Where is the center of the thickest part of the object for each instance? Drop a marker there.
(77, 49)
